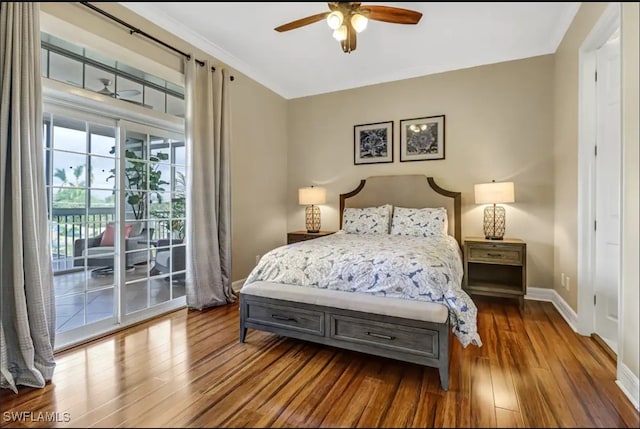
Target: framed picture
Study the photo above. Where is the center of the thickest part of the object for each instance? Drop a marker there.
(422, 139)
(373, 143)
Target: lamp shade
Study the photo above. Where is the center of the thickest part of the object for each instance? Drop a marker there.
(340, 33)
(359, 22)
(312, 195)
(494, 193)
(334, 19)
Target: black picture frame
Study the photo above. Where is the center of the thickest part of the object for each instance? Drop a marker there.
(373, 143)
(422, 139)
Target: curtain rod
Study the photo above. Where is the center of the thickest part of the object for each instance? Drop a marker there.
(134, 30)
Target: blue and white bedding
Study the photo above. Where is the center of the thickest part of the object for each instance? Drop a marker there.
(422, 268)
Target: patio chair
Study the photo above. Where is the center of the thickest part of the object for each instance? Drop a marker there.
(97, 247)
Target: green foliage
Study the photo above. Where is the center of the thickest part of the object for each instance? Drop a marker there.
(72, 194)
(69, 198)
(175, 222)
(179, 209)
(141, 177)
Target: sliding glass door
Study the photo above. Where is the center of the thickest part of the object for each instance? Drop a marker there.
(115, 194)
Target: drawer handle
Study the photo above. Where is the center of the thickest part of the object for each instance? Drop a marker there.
(386, 337)
(499, 255)
(285, 318)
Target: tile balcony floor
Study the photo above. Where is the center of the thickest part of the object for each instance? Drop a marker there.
(69, 287)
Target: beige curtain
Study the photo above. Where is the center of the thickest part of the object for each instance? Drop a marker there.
(28, 311)
(207, 126)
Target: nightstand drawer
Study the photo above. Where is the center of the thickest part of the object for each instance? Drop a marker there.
(294, 238)
(494, 253)
(297, 236)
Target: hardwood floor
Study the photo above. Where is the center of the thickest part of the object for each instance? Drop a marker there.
(187, 369)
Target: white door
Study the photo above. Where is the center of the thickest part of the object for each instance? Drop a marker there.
(607, 231)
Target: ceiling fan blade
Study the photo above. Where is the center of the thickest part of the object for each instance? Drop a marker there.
(302, 22)
(128, 93)
(394, 15)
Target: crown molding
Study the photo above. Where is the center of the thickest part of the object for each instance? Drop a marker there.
(149, 12)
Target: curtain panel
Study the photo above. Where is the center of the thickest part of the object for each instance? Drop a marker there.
(207, 129)
(27, 328)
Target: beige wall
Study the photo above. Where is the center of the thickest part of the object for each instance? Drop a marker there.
(258, 130)
(258, 173)
(566, 166)
(631, 190)
(499, 125)
(565, 139)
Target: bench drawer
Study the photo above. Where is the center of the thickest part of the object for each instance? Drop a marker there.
(284, 316)
(407, 339)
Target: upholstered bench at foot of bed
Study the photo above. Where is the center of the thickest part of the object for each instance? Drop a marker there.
(411, 331)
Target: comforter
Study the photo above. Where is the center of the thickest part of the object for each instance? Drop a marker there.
(422, 268)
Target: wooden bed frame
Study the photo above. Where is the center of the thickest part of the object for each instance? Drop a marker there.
(366, 330)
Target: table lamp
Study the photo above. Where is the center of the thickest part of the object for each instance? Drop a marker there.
(494, 217)
(310, 197)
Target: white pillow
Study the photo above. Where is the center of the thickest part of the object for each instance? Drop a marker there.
(368, 220)
(427, 222)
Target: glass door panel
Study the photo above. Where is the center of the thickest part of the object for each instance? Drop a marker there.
(148, 177)
(82, 208)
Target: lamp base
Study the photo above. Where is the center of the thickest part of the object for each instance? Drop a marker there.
(494, 222)
(312, 218)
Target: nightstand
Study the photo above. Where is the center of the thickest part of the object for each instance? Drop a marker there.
(495, 268)
(295, 236)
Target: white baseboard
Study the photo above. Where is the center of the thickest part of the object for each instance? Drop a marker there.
(237, 285)
(628, 382)
(550, 295)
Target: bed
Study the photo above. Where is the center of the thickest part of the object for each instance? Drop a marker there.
(395, 295)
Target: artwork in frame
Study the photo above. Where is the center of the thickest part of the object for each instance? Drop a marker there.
(422, 139)
(373, 143)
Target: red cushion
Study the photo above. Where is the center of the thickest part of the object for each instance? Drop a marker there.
(109, 234)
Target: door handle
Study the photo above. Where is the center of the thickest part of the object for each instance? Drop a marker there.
(385, 337)
(285, 318)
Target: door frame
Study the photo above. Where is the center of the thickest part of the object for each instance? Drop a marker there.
(61, 98)
(608, 23)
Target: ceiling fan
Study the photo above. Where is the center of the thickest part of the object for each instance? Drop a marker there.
(120, 94)
(346, 19)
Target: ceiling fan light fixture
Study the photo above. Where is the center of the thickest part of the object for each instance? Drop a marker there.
(359, 22)
(347, 19)
(340, 33)
(334, 19)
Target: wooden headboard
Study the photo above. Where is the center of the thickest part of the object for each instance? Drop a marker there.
(414, 191)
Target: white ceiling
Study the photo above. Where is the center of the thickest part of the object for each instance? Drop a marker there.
(308, 61)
